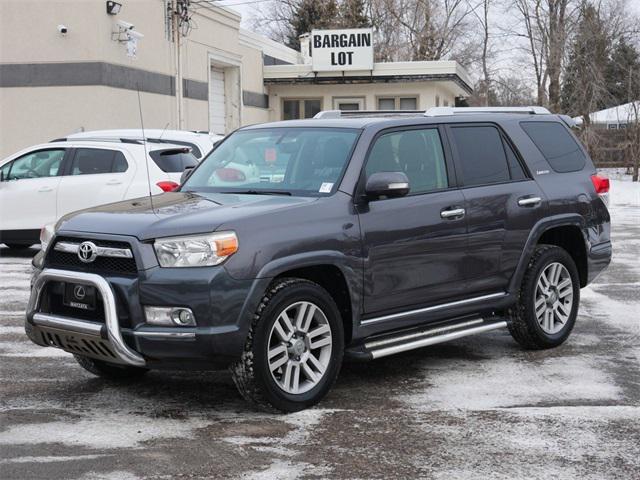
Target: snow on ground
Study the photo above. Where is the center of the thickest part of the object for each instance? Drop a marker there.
(478, 407)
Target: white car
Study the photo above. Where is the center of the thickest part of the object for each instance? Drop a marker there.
(200, 143)
(40, 184)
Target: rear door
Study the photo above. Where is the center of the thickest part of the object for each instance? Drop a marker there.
(414, 251)
(94, 176)
(29, 189)
(502, 204)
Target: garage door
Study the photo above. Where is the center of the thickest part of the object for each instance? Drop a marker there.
(217, 112)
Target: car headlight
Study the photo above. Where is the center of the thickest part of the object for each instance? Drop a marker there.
(46, 234)
(196, 250)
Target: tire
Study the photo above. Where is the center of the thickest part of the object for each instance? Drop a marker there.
(109, 370)
(268, 387)
(532, 329)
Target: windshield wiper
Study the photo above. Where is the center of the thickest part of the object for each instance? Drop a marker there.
(261, 192)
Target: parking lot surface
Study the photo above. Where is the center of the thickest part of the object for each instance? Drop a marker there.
(479, 407)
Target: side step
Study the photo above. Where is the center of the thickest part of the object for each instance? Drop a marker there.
(390, 344)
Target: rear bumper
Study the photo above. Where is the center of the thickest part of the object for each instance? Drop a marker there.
(121, 335)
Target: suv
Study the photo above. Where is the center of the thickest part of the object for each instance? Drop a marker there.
(379, 235)
(40, 184)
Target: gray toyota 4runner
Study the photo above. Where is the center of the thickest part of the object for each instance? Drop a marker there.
(297, 244)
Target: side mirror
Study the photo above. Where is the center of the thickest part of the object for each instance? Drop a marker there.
(387, 184)
(186, 174)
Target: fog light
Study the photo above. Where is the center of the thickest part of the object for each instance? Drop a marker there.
(170, 316)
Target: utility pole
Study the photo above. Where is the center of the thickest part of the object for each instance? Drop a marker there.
(176, 6)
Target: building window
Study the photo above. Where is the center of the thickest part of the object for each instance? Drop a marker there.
(293, 109)
(397, 103)
(342, 103)
(437, 100)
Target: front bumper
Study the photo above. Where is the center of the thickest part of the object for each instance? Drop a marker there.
(120, 335)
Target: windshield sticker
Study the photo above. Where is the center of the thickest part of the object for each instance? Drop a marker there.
(270, 155)
(326, 187)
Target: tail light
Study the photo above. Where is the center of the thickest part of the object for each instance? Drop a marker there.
(230, 175)
(600, 183)
(168, 186)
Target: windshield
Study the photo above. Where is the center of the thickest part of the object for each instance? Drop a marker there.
(287, 160)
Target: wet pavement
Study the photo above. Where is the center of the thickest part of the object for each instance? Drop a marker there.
(479, 407)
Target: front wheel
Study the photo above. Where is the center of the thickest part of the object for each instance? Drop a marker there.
(548, 300)
(294, 348)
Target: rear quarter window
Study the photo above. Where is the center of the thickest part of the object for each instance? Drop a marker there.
(556, 145)
(173, 161)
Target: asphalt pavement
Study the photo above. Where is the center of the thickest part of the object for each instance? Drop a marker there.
(480, 407)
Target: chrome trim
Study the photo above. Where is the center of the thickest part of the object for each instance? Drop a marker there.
(433, 308)
(383, 352)
(422, 333)
(69, 247)
(114, 336)
(169, 335)
(67, 324)
(525, 202)
(456, 212)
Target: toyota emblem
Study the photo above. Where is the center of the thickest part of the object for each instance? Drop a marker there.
(79, 292)
(87, 252)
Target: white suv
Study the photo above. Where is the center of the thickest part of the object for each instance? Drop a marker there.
(200, 143)
(42, 183)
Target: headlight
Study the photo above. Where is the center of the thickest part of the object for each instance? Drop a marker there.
(196, 250)
(46, 234)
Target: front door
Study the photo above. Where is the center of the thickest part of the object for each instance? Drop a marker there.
(414, 250)
(29, 189)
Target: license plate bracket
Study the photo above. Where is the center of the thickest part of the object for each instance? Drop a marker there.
(77, 295)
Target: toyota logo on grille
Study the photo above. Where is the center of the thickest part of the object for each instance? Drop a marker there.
(79, 292)
(87, 252)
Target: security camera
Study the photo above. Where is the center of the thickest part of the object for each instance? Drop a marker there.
(125, 25)
(135, 34)
(63, 29)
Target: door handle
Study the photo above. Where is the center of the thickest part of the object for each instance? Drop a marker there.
(529, 201)
(45, 189)
(114, 182)
(452, 213)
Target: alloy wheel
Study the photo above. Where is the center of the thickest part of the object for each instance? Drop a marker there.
(299, 349)
(553, 298)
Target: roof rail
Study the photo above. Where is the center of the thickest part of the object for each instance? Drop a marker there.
(330, 114)
(441, 111)
(135, 141)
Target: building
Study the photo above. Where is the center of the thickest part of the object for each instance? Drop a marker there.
(614, 118)
(67, 66)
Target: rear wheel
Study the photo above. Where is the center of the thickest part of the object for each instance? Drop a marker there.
(109, 370)
(294, 348)
(548, 300)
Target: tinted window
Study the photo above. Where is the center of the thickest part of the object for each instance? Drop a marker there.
(43, 163)
(481, 154)
(194, 148)
(417, 153)
(556, 145)
(173, 160)
(517, 173)
(92, 161)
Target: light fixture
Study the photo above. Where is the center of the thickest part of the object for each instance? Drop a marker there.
(113, 8)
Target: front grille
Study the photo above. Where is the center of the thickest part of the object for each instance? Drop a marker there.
(70, 261)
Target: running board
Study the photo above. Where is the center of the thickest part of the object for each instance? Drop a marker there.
(398, 342)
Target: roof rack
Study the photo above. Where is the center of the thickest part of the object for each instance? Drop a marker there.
(330, 114)
(135, 141)
(441, 111)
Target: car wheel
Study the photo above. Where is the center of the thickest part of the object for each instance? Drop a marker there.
(294, 348)
(109, 370)
(547, 305)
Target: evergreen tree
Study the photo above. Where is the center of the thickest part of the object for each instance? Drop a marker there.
(310, 14)
(353, 14)
(623, 74)
(584, 88)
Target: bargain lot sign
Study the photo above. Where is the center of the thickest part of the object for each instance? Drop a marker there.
(335, 50)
